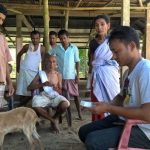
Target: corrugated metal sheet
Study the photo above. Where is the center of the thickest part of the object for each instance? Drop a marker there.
(73, 3)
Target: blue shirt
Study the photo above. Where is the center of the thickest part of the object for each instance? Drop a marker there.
(66, 60)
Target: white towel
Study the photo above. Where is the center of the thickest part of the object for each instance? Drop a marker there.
(48, 89)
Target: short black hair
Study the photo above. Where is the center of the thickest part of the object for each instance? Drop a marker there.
(63, 32)
(53, 33)
(105, 17)
(126, 35)
(3, 10)
(35, 32)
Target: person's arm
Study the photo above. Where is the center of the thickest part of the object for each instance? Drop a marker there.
(139, 113)
(35, 84)
(118, 100)
(22, 51)
(42, 55)
(77, 64)
(59, 86)
(115, 107)
(8, 58)
(9, 82)
(77, 70)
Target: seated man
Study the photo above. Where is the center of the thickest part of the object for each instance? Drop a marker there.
(50, 82)
(133, 102)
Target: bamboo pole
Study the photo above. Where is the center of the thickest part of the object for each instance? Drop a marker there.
(141, 3)
(18, 32)
(78, 4)
(125, 21)
(67, 17)
(147, 34)
(53, 7)
(19, 39)
(46, 24)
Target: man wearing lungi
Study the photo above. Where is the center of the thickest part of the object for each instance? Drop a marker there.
(5, 57)
(68, 65)
(29, 66)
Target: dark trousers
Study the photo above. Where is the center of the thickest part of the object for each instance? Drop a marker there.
(105, 134)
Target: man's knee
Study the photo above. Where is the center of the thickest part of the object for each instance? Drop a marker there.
(91, 142)
(37, 109)
(82, 133)
(64, 105)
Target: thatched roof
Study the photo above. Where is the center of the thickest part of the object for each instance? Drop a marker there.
(81, 14)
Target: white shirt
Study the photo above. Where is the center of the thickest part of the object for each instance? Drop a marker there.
(32, 59)
(139, 89)
(66, 60)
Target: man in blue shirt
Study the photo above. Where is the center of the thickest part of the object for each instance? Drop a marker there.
(68, 65)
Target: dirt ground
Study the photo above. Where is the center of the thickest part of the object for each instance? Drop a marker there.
(67, 139)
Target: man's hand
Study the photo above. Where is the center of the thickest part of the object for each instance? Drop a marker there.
(47, 83)
(10, 89)
(77, 79)
(18, 68)
(99, 108)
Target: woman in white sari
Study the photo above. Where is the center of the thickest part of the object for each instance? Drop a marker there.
(105, 71)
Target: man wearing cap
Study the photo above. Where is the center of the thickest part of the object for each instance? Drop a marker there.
(5, 57)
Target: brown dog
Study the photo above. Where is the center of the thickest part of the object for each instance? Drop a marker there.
(19, 119)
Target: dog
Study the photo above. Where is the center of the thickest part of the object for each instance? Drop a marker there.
(20, 119)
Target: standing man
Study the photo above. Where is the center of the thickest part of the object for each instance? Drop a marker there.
(52, 39)
(132, 103)
(68, 65)
(5, 57)
(29, 67)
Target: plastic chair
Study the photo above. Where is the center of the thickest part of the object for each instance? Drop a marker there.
(123, 143)
(124, 140)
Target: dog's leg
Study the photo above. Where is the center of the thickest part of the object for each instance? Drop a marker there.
(28, 134)
(1, 140)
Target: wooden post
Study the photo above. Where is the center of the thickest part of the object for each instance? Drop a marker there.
(18, 33)
(67, 16)
(125, 21)
(147, 34)
(125, 13)
(18, 36)
(46, 24)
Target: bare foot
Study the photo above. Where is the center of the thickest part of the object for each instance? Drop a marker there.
(80, 116)
(55, 126)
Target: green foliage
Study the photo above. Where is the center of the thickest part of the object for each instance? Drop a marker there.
(83, 62)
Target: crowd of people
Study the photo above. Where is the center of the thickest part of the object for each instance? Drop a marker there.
(58, 80)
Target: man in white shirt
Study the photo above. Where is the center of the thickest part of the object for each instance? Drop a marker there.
(133, 102)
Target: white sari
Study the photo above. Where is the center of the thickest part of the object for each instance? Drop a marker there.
(105, 74)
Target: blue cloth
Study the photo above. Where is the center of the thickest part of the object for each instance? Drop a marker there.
(66, 60)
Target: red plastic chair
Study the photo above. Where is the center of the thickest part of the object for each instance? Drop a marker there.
(123, 143)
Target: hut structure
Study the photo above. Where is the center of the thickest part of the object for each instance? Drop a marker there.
(74, 15)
